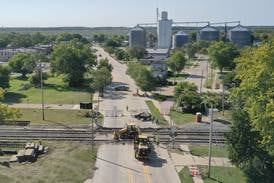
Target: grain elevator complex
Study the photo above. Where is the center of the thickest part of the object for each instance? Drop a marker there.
(169, 39)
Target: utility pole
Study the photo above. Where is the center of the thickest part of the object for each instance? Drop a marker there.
(210, 140)
(92, 130)
(201, 84)
(40, 68)
(223, 101)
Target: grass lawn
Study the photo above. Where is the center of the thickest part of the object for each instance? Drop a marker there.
(202, 150)
(56, 117)
(156, 113)
(56, 91)
(223, 174)
(66, 162)
(185, 176)
(178, 77)
(182, 118)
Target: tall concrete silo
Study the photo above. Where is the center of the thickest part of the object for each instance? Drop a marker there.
(179, 39)
(164, 31)
(137, 37)
(208, 33)
(240, 35)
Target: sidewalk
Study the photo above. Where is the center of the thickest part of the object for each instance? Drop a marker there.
(192, 162)
(47, 106)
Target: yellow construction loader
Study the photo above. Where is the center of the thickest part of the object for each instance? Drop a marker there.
(142, 147)
(130, 131)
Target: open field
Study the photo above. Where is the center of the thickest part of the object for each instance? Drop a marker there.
(182, 118)
(202, 150)
(56, 91)
(156, 113)
(65, 163)
(56, 117)
(223, 174)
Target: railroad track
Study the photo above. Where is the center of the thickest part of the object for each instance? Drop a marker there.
(102, 135)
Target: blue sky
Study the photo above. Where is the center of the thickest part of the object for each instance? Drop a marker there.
(93, 13)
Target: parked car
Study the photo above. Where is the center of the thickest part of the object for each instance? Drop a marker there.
(120, 88)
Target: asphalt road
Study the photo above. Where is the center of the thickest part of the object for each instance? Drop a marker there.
(116, 163)
(114, 103)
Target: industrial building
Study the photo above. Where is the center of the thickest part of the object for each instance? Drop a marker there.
(179, 39)
(240, 35)
(164, 31)
(137, 37)
(208, 33)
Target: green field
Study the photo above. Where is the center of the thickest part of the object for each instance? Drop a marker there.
(223, 174)
(64, 163)
(202, 150)
(185, 176)
(56, 117)
(56, 91)
(156, 113)
(182, 118)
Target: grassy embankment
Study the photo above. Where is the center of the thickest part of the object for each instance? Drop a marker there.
(65, 163)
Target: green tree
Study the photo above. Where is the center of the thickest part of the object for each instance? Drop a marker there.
(136, 52)
(191, 49)
(7, 113)
(187, 97)
(254, 97)
(35, 79)
(142, 76)
(222, 55)
(4, 76)
(22, 63)
(145, 80)
(73, 60)
(245, 150)
(105, 63)
(177, 63)
(101, 78)
(21, 40)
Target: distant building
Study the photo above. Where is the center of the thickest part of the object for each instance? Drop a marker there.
(179, 39)
(155, 55)
(240, 35)
(137, 37)
(164, 31)
(7, 54)
(208, 33)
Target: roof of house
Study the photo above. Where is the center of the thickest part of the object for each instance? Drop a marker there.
(157, 51)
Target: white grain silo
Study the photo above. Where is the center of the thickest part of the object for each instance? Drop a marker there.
(164, 31)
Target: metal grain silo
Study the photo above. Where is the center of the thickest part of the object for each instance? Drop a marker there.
(209, 33)
(137, 37)
(179, 39)
(240, 35)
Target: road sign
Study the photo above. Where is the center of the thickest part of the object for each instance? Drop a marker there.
(85, 105)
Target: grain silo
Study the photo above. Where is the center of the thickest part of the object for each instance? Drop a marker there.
(164, 31)
(137, 37)
(208, 33)
(240, 35)
(179, 39)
